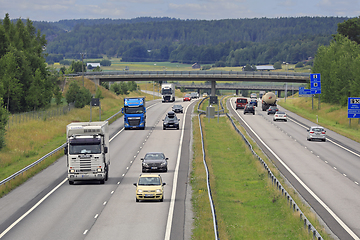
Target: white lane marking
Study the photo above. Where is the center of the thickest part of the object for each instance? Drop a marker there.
(85, 232)
(346, 149)
(303, 184)
(96, 216)
(176, 173)
(31, 209)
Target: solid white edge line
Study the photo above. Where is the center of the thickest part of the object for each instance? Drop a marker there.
(173, 193)
(31, 209)
(303, 184)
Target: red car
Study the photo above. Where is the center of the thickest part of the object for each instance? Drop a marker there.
(187, 98)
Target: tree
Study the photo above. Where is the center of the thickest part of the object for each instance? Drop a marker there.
(277, 65)
(351, 29)
(77, 66)
(3, 121)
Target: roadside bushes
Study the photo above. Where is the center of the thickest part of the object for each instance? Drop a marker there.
(79, 96)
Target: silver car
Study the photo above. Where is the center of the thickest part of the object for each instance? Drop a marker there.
(316, 132)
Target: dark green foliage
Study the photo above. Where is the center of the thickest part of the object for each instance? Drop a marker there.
(299, 65)
(277, 65)
(24, 78)
(261, 41)
(248, 67)
(77, 66)
(105, 62)
(65, 62)
(79, 96)
(105, 85)
(351, 29)
(338, 65)
(98, 94)
(132, 86)
(3, 121)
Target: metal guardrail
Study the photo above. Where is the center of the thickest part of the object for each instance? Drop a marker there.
(42, 159)
(307, 224)
(275, 181)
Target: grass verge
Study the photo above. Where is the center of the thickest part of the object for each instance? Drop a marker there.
(248, 206)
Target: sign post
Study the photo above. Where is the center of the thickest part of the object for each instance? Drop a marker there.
(353, 108)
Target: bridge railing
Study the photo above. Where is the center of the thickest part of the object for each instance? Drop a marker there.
(198, 73)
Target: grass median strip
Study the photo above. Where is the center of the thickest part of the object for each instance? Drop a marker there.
(247, 204)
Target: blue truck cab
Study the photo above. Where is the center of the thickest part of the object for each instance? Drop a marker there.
(134, 113)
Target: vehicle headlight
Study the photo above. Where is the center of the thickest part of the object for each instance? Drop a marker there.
(140, 190)
(72, 171)
(158, 190)
(163, 163)
(145, 165)
(99, 170)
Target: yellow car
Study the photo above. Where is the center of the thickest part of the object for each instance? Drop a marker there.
(149, 187)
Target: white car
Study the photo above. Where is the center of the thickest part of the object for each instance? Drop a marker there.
(280, 116)
(316, 132)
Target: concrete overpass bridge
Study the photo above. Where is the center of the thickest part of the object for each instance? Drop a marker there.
(204, 76)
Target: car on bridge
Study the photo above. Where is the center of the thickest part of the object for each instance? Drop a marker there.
(149, 187)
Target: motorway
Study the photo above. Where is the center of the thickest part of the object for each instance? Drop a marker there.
(47, 207)
(324, 173)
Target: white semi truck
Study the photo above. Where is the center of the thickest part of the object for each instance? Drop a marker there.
(87, 151)
(168, 92)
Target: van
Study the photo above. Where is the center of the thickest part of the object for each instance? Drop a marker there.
(241, 103)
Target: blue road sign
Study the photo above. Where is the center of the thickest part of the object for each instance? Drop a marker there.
(303, 91)
(315, 83)
(353, 107)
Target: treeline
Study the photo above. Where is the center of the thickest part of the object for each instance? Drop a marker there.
(339, 64)
(230, 42)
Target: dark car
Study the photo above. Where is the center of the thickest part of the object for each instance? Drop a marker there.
(249, 108)
(272, 110)
(177, 109)
(171, 121)
(253, 102)
(154, 161)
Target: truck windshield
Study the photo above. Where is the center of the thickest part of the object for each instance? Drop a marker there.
(132, 110)
(85, 149)
(166, 91)
(85, 146)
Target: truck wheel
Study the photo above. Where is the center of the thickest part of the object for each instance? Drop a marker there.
(102, 181)
(71, 182)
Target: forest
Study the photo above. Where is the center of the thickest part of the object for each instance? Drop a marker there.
(228, 42)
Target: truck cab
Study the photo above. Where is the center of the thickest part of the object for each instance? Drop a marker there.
(134, 111)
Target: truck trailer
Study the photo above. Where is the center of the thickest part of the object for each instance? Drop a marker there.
(168, 92)
(87, 151)
(134, 111)
(268, 99)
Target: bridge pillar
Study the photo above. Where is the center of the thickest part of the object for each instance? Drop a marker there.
(237, 92)
(213, 88)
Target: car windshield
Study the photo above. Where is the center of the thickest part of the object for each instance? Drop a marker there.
(177, 106)
(85, 149)
(241, 100)
(149, 181)
(154, 156)
(317, 129)
(187, 96)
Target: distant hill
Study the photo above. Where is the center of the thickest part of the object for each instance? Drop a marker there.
(169, 39)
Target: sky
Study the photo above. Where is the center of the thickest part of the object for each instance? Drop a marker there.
(55, 10)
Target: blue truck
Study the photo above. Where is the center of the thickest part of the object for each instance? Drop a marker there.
(134, 113)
